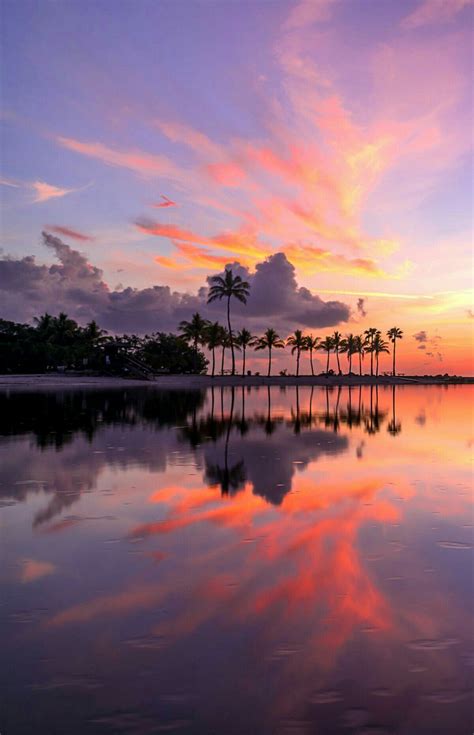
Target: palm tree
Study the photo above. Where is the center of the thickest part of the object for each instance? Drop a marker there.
(298, 343)
(326, 346)
(393, 334)
(359, 349)
(270, 340)
(311, 344)
(195, 330)
(44, 323)
(349, 345)
(370, 335)
(336, 343)
(94, 333)
(226, 287)
(245, 339)
(213, 337)
(378, 345)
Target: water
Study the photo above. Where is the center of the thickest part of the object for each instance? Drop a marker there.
(237, 562)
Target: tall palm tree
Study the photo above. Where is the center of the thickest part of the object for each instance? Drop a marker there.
(245, 339)
(348, 345)
(370, 335)
(393, 334)
(227, 287)
(326, 346)
(359, 348)
(311, 344)
(213, 337)
(270, 340)
(378, 345)
(298, 343)
(336, 343)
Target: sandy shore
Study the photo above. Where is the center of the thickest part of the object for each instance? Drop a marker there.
(35, 382)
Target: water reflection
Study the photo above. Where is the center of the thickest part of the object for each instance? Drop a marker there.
(167, 553)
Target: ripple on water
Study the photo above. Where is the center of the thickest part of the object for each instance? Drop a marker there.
(326, 696)
(453, 545)
(432, 644)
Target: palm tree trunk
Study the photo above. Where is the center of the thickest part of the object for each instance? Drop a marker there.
(297, 363)
(213, 361)
(327, 362)
(394, 343)
(230, 335)
(371, 363)
(243, 364)
(222, 361)
(377, 364)
(269, 361)
(311, 361)
(337, 358)
(360, 363)
(350, 363)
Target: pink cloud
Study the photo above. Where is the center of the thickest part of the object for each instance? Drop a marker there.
(67, 232)
(46, 191)
(139, 162)
(165, 203)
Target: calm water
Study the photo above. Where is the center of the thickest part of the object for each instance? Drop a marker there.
(237, 562)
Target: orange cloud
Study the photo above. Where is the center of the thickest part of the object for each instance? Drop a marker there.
(33, 569)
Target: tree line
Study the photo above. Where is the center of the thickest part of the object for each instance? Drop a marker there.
(58, 341)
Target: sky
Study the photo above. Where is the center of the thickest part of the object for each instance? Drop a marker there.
(322, 148)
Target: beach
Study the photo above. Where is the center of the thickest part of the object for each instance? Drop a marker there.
(185, 382)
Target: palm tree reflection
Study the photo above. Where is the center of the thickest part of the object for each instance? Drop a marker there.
(394, 427)
(229, 479)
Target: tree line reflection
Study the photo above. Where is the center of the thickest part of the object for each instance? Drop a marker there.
(228, 429)
(55, 418)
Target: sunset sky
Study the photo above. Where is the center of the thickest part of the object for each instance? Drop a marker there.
(157, 142)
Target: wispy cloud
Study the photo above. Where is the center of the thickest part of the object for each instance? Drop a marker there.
(68, 232)
(140, 162)
(166, 202)
(430, 12)
(45, 191)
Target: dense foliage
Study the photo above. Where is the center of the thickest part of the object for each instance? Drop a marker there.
(59, 343)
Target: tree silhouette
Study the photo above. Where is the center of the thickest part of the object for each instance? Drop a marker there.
(326, 345)
(298, 343)
(245, 339)
(370, 335)
(312, 343)
(393, 334)
(336, 343)
(348, 345)
(270, 340)
(225, 288)
(359, 349)
(213, 337)
(195, 330)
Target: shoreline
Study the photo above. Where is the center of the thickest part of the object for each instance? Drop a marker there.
(185, 382)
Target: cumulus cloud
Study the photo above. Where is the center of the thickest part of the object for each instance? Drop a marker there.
(76, 286)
